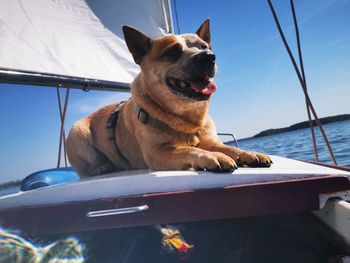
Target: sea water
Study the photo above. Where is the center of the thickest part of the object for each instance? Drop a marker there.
(298, 144)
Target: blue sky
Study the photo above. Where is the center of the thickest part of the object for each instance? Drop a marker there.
(257, 87)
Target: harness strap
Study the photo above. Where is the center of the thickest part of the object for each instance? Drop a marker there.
(111, 125)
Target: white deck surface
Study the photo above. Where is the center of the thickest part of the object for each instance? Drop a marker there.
(144, 182)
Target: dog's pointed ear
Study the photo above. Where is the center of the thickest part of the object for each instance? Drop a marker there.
(138, 43)
(204, 31)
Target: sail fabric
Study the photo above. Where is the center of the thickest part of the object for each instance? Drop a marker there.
(75, 37)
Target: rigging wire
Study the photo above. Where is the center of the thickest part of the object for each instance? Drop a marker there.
(297, 35)
(64, 133)
(62, 141)
(177, 18)
(301, 80)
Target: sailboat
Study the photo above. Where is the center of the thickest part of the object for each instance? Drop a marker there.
(79, 44)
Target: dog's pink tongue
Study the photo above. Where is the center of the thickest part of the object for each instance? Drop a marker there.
(203, 86)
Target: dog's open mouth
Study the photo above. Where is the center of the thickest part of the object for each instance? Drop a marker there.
(196, 89)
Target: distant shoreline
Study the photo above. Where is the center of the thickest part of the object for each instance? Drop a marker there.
(301, 125)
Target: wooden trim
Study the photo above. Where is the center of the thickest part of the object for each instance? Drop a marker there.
(175, 207)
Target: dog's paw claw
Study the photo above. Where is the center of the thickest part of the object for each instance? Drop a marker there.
(215, 162)
(217, 169)
(254, 159)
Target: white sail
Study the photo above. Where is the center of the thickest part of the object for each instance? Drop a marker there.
(76, 38)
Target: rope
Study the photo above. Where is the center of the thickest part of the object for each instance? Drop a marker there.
(304, 78)
(62, 141)
(177, 18)
(301, 80)
(64, 133)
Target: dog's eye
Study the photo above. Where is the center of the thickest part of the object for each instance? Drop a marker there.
(203, 46)
(173, 52)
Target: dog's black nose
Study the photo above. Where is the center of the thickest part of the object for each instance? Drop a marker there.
(206, 57)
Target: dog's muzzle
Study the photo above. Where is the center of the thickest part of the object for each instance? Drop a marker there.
(203, 63)
(197, 82)
(206, 57)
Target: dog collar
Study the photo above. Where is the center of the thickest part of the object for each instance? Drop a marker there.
(144, 117)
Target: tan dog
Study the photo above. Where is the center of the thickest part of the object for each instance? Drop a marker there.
(165, 125)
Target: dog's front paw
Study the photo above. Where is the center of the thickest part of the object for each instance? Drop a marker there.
(215, 162)
(254, 159)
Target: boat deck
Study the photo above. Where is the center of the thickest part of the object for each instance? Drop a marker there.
(175, 196)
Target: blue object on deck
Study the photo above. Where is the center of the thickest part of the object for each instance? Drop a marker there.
(49, 177)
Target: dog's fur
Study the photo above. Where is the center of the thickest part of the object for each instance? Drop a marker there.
(190, 141)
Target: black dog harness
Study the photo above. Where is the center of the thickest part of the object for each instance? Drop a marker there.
(111, 125)
(146, 119)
